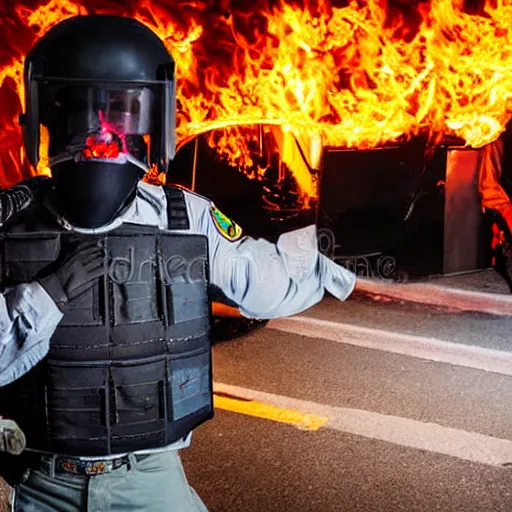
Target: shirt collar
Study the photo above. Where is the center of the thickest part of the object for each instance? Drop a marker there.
(148, 208)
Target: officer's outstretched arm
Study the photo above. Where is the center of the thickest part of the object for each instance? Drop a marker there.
(267, 280)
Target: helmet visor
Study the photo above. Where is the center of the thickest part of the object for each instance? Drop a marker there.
(100, 121)
(122, 111)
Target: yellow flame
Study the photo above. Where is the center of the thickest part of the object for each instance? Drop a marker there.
(342, 76)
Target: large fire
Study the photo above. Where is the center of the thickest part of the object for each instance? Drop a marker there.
(356, 74)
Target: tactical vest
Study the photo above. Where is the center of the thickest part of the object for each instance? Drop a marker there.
(129, 366)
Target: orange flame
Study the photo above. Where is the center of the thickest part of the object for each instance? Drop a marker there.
(356, 76)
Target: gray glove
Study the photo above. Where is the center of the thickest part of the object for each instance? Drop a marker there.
(76, 273)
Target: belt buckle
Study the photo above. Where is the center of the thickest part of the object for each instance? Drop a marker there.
(85, 467)
(96, 467)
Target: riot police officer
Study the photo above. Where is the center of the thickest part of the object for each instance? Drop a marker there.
(104, 315)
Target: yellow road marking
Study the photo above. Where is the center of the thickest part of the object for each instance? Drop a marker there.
(299, 419)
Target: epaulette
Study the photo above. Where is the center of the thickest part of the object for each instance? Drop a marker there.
(176, 208)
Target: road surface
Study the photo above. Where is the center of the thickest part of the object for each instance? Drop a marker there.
(361, 406)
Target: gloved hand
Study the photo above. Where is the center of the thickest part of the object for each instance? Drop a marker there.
(76, 273)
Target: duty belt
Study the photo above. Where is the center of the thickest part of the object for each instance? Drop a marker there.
(55, 464)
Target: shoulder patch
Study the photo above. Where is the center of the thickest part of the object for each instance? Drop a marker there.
(229, 229)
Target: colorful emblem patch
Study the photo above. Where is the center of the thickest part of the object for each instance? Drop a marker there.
(226, 227)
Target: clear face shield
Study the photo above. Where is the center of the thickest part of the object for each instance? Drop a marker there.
(103, 123)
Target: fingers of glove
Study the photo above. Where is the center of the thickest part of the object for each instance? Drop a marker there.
(95, 273)
(90, 254)
(93, 259)
(81, 264)
(84, 248)
(80, 278)
(94, 269)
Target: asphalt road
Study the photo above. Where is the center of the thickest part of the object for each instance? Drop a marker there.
(401, 433)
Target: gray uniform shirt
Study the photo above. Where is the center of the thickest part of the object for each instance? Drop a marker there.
(266, 280)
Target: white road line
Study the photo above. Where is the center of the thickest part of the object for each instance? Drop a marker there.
(432, 349)
(430, 437)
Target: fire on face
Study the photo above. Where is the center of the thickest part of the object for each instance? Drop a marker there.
(109, 143)
(357, 76)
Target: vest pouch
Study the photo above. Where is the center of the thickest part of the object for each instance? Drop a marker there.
(186, 302)
(77, 409)
(190, 398)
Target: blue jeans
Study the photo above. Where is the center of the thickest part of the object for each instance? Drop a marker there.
(154, 484)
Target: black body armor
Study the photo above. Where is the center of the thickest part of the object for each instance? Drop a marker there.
(129, 365)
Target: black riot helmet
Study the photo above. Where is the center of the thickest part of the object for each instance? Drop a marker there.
(104, 87)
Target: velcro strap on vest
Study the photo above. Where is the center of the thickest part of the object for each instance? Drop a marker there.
(176, 209)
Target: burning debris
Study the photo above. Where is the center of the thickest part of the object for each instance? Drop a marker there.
(356, 74)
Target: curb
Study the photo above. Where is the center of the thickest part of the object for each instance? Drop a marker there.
(437, 295)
